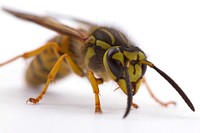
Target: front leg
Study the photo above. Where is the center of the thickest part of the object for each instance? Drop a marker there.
(94, 82)
(135, 106)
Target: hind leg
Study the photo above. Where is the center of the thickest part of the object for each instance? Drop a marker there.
(53, 73)
(34, 52)
(165, 104)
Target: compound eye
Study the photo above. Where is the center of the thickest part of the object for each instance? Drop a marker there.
(144, 68)
(114, 59)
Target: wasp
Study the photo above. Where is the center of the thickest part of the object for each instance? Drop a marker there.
(99, 53)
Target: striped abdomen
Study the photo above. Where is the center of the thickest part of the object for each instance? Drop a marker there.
(41, 65)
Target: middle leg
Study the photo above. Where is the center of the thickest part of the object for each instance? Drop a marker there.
(94, 82)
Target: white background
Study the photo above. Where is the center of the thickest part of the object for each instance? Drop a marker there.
(168, 31)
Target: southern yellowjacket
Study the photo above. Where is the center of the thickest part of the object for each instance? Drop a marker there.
(101, 51)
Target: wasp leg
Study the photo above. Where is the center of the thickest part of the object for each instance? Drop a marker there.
(94, 82)
(53, 73)
(34, 52)
(165, 104)
(99, 80)
(135, 106)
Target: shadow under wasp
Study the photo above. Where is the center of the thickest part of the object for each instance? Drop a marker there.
(99, 51)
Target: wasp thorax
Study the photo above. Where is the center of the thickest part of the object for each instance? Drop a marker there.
(119, 58)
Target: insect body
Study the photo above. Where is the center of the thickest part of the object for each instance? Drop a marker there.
(101, 51)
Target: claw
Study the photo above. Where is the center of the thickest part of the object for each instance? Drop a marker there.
(135, 106)
(169, 103)
(32, 100)
(98, 109)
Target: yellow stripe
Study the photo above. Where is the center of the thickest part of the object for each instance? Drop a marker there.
(90, 53)
(122, 85)
(92, 39)
(110, 35)
(102, 44)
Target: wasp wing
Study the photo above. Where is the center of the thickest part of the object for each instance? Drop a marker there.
(49, 23)
(72, 18)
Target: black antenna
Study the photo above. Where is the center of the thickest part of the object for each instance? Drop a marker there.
(172, 82)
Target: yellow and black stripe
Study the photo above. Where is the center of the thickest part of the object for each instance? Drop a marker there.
(41, 65)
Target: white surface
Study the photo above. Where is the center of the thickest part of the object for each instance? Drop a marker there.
(168, 31)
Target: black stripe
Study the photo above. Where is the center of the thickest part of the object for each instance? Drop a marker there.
(41, 63)
(34, 75)
(55, 59)
(119, 41)
(101, 35)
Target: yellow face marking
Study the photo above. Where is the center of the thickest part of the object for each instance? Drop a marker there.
(122, 85)
(138, 72)
(135, 72)
(119, 56)
(138, 85)
(134, 55)
(130, 72)
(90, 53)
(110, 35)
(102, 44)
(131, 55)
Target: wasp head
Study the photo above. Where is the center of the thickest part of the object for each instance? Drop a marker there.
(127, 65)
(119, 59)
(123, 63)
